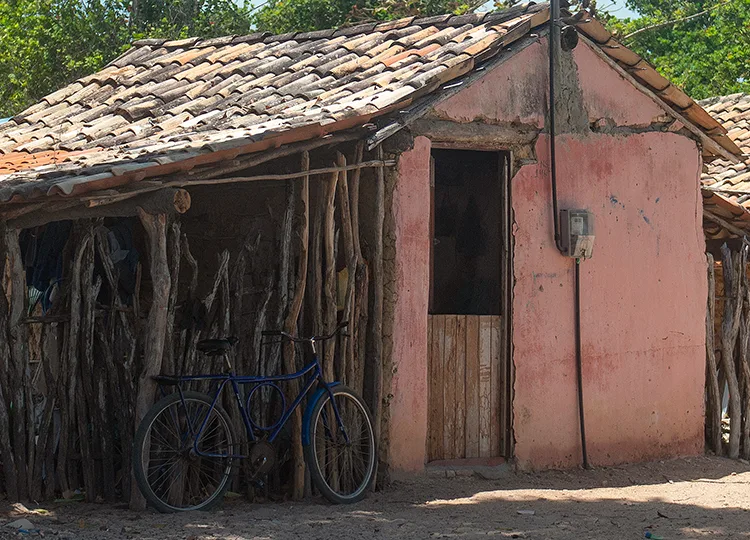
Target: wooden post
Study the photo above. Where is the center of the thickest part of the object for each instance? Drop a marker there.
(329, 238)
(347, 352)
(6, 446)
(285, 254)
(713, 408)
(744, 364)
(360, 312)
(175, 252)
(290, 325)
(69, 374)
(376, 325)
(316, 265)
(19, 359)
(87, 411)
(156, 229)
(188, 351)
(730, 326)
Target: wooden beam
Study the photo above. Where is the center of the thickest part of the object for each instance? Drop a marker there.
(477, 135)
(164, 201)
(724, 223)
(707, 141)
(247, 162)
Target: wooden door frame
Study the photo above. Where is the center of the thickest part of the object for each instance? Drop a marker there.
(506, 170)
(506, 293)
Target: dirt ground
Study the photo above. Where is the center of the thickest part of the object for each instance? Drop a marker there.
(685, 498)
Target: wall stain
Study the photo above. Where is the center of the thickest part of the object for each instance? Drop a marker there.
(615, 201)
(644, 216)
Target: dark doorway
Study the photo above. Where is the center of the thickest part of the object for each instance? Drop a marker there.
(466, 264)
(469, 391)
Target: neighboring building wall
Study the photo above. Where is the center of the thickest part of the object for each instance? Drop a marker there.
(643, 293)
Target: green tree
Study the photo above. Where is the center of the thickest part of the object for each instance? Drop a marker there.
(45, 44)
(702, 46)
(280, 16)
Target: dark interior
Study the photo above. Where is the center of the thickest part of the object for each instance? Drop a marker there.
(466, 271)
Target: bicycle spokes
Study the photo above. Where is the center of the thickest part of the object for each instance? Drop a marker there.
(344, 446)
(181, 472)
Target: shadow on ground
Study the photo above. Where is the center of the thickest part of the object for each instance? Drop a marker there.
(691, 498)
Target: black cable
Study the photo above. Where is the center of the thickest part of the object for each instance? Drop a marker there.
(552, 39)
(579, 364)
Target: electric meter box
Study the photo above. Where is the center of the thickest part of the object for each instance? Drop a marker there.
(577, 233)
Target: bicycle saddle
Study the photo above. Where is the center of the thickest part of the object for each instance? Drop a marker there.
(215, 347)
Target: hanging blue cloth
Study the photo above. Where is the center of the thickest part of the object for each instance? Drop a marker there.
(42, 250)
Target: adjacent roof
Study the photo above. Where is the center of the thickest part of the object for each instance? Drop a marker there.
(168, 106)
(726, 185)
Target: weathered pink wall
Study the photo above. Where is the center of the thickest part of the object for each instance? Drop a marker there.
(642, 302)
(643, 293)
(411, 212)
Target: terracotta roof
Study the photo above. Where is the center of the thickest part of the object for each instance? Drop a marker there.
(168, 106)
(726, 185)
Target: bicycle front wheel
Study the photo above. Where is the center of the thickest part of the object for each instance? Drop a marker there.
(172, 476)
(342, 451)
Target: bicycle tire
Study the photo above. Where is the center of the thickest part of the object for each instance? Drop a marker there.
(145, 435)
(322, 444)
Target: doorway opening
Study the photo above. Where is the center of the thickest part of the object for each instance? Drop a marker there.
(469, 375)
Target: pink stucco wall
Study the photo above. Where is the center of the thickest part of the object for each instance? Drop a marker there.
(643, 293)
(411, 213)
(642, 302)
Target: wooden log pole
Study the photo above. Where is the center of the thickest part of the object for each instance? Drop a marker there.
(88, 424)
(361, 279)
(315, 286)
(329, 304)
(713, 408)
(175, 257)
(290, 325)
(376, 325)
(156, 230)
(187, 348)
(10, 474)
(68, 411)
(730, 327)
(165, 201)
(18, 334)
(744, 365)
(347, 347)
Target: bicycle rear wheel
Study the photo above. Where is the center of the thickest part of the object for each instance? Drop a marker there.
(169, 473)
(341, 456)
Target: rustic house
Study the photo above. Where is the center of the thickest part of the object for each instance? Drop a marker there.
(394, 174)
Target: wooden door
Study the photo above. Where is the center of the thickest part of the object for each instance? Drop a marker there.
(468, 341)
(466, 384)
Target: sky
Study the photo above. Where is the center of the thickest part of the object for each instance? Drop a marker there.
(616, 8)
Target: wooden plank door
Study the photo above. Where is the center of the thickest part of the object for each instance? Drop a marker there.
(465, 387)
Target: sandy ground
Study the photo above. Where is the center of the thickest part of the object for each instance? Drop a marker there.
(686, 498)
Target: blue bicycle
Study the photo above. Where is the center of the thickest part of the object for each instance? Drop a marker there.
(185, 447)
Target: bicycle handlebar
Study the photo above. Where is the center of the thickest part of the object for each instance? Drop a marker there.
(290, 337)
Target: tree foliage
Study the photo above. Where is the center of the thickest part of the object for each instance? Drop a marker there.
(280, 16)
(702, 46)
(45, 44)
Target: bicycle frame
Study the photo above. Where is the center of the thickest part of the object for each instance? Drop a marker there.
(312, 369)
